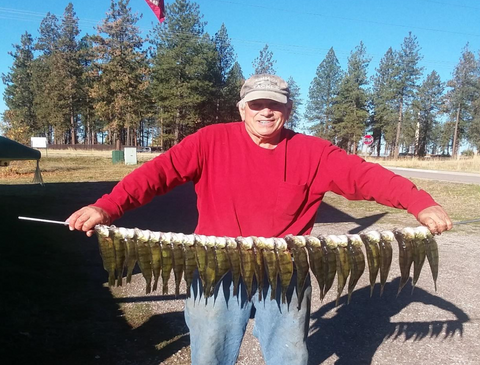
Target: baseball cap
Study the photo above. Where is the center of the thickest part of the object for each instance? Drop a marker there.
(265, 86)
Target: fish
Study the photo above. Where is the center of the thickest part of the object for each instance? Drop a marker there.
(329, 247)
(221, 259)
(247, 262)
(156, 254)
(190, 262)
(297, 245)
(144, 257)
(371, 240)
(234, 258)
(107, 252)
(285, 265)
(131, 259)
(386, 255)
(343, 267)
(167, 259)
(258, 246)
(431, 247)
(419, 253)
(178, 260)
(210, 269)
(316, 260)
(405, 239)
(271, 265)
(356, 262)
(120, 251)
(201, 257)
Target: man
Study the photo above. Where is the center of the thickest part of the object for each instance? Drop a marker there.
(256, 178)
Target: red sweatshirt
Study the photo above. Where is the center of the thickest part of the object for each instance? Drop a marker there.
(247, 190)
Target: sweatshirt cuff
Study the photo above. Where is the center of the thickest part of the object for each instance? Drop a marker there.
(421, 201)
(109, 207)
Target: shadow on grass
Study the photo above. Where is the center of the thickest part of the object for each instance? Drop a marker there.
(329, 214)
(355, 331)
(55, 306)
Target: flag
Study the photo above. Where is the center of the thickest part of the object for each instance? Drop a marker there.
(158, 8)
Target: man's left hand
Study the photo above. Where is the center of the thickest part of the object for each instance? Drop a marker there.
(435, 219)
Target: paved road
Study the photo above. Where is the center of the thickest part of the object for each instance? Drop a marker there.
(461, 177)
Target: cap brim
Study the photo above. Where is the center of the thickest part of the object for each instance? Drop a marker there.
(270, 95)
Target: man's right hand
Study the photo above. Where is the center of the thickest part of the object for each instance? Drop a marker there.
(86, 218)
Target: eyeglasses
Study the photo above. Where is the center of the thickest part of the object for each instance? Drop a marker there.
(265, 104)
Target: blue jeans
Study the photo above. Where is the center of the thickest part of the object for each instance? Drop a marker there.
(217, 325)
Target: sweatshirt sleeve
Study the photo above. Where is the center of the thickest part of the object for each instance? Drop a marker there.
(180, 164)
(356, 179)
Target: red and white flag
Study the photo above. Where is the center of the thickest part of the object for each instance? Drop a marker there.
(158, 8)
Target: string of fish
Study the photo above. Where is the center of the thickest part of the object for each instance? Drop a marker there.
(249, 258)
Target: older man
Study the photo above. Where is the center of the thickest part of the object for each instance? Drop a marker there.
(256, 178)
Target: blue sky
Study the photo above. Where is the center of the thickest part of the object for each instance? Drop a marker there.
(299, 33)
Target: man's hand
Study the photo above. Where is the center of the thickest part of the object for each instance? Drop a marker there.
(435, 219)
(86, 218)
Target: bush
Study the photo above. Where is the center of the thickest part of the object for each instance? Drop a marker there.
(468, 153)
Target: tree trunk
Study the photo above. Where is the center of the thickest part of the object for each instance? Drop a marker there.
(399, 129)
(72, 128)
(455, 134)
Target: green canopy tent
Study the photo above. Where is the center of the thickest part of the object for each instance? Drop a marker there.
(13, 151)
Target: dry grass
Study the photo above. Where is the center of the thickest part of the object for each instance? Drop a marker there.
(471, 164)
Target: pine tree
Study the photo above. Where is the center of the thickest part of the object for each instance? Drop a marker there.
(462, 96)
(122, 72)
(321, 95)
(184, 73)
(427, 108)
(350, 109)
(264, 63)
(20, 121)
(385, 107)
(231, 93)
(90, 125)
(68, 70)
(409, 73)
(226, 59)
(294, 120)
(46, 88)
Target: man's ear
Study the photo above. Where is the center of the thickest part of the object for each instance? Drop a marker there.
(242, 112)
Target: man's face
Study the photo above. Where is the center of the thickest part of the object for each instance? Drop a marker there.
(264, 120)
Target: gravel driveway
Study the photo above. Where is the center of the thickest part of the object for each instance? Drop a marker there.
(423, 328)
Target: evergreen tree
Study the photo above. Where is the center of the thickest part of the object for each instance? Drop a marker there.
(294, 120)
(226, 60)
(409, 72)
(68, 71)
(385, 107)
(264, 63)
(350, 108)
(462, 95)
(184, 73)
(321, 95)
(231, 95)
(427, 107)
(90, 124)
(46, 88)
(20, 120)
(122, 72)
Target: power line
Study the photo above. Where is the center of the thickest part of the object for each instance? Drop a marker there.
(293, 11)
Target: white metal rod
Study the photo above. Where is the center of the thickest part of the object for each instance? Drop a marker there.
(43, 220)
